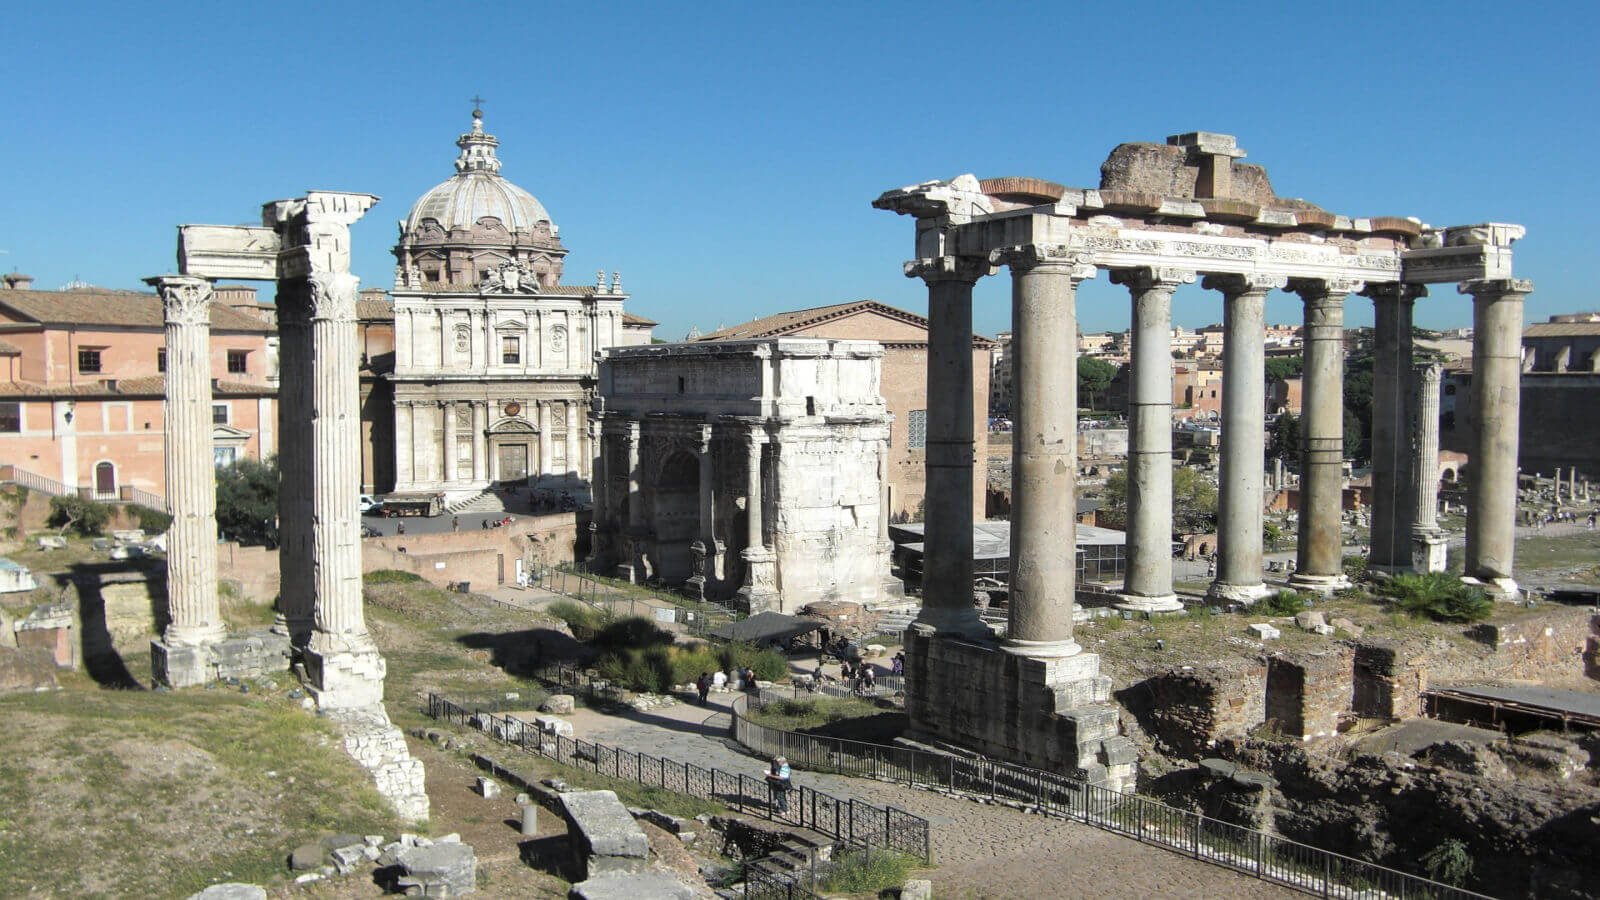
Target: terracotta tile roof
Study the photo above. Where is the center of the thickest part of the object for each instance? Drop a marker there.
(380, 309)
(795, 321)
(629, 318)
(1561, 329)
(146, 386)
(123, 309)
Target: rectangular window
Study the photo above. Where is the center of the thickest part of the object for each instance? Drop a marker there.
(917, 429)
(511, 350)
(161, 360)
(238, 361)
(89, 361)
(219, 413)
(223, 457)
(10, 418)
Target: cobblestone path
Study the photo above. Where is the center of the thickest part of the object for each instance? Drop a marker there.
(981, 851)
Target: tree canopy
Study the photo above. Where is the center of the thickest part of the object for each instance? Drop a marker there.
(1194, 501)
(247, 501)
(1094, 376)
(1282, 367)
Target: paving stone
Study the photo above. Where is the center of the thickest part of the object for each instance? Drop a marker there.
(236, 890)
(642, 886)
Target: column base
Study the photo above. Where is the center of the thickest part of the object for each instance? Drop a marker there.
(182, 665)
(760, 592)
(956, 624)
(1041, 649)
(1321, 584)
(1237, 593)
(250, 654)
(1430, 552)
(1140, 604)
(339, 678)
(695, 587)
(1500, 588)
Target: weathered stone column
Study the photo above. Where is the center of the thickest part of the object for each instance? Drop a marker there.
(1496, 408)
(570, 446)
(402, 429)
(603, 514)
(1393, 498)
(759, 591)
(545, 442)
(947, 504)
(705, 535)
(631, 563)
(480, 450)
(1428, 548)
(451, 458)
(1244, 434)
(182, 656)
(296, 587)
(1147, 586)
(1044, 439)
(1319, 563)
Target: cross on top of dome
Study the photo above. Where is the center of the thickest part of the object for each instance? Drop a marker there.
(477, 148)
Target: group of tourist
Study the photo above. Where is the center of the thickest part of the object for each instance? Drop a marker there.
(740, 678)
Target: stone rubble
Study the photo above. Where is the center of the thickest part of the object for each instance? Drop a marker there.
(231, 891)
(374, 742)
(440, 870)
(1265, 632)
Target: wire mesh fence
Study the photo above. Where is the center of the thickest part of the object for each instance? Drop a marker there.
(697, 617)
(848, 821)
(1267, 856)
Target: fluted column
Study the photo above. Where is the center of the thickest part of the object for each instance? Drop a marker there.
(754, 505)
(544, 439)
(1496, 409)
(193, 611)
(630, 443)
(451, 458)
(1393, 499)
(1044, 447)
(1147, 586)
(480, 449)
(296, 589)
(759, 592)
(1243, 434)
(1428, 552)
(1319, 564)
(571, 448)
(947, 505)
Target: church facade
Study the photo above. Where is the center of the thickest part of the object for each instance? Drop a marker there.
(494, 358)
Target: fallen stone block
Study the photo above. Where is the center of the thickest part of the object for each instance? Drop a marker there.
(1324, 630)
(643, 886)
(488, 787)
(1311, 619)
(236, 890)
(603, 836)
(553, 725)
(28, 669)
(558, 705)
(917, 889)
(443, 870)
(346, 859)
(306, 856)
(1265, 632)
(1348, 627)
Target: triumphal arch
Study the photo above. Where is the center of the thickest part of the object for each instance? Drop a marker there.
(1166, 215)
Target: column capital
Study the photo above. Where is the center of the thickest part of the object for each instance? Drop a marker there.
(333, 295)
(1329, 288)
(1055, 257)
(1496, 286)
(754, 438)
(1389, 291)
(1152, 278)
(185, 299)
(935, 269)
(1430, 373)
(1238, 285)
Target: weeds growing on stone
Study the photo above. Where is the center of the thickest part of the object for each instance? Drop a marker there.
(864, 872)
(1437, 595)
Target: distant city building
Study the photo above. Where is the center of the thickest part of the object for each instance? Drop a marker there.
(81, 400)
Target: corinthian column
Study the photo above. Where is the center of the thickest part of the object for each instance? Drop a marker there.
(947, 505)
(181, 658)
(1427, 539)
(1244, 434)
(1319, 564)
(1392, 475)
(1147, 586)
(451, 458)
(1496, 410)
(759, 591)
(1044, 454)
(296, 590)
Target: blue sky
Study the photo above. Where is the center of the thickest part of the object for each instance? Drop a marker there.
(723, 156)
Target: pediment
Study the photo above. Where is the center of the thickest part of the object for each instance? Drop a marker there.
(511, 325)
(228, 433)
(512, 426)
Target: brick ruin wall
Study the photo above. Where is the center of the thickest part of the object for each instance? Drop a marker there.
(480, 558)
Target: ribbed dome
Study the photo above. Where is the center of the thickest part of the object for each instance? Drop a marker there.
(477, 191)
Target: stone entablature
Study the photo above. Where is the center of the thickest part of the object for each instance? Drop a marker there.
(749, 471)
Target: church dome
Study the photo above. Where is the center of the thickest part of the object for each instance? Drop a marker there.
(478, 192)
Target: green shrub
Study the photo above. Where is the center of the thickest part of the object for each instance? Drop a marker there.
(1437, 595)
(1355, 567)
(584, 620)
(631, 633)
(390, 576)
(862, 872)
(1282, 603)
(769, 664)
(1449, 862)
(79, 514)
(153, 521)
(649, 669)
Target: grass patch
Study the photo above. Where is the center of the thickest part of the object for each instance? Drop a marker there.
(1282, 603)
(861, 872)
(796, 715)
(584, 620)
(390, 576)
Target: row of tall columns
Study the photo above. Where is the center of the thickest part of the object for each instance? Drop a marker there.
(194, 611)
(1147, 586)
(1239, 519)
(1319, 564)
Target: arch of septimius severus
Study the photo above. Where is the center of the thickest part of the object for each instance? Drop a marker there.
(1166, 215)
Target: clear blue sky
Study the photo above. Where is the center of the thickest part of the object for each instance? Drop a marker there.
(723, 156)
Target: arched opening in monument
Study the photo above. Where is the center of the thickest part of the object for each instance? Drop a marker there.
(675, 513)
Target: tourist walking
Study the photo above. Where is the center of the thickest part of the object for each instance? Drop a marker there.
(400, 528)
(778, 784)
(455, 523)
(899, 664)
(702, 685)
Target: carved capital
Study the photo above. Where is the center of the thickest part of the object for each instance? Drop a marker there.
(185, 299)
(1333, 288)
(1050, 257)
(948, 268)
(1151, 278)
(1238, 285)
(1393, 291)
(1503, 288)
(333, 295)
(1429, 374)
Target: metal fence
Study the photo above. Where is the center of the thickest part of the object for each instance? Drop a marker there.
(696, 617)
(1266, 856)
(36, 482)
(850, 822)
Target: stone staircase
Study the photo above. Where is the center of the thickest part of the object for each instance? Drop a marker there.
(895, 623)
(796, 861)
(486, 502)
